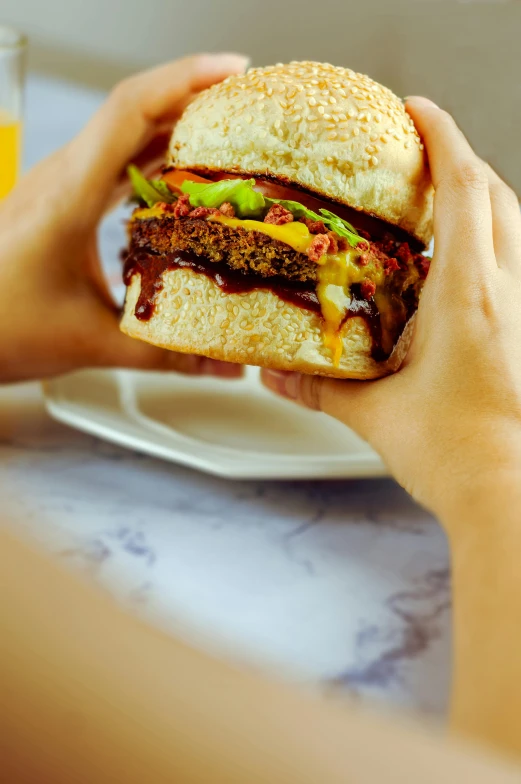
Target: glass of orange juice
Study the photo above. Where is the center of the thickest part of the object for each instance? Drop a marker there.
(12, 74)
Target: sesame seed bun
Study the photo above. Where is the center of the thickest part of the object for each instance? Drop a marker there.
(192, 315)
(322, 128)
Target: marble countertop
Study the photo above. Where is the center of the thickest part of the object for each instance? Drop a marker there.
(340, 584)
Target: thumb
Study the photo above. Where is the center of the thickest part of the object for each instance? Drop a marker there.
(358, 404)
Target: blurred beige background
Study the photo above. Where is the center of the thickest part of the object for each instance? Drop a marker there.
(464, 55)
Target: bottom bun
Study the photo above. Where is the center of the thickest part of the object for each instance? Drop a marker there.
(192, 315)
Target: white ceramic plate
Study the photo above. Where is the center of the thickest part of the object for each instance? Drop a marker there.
(235, 429)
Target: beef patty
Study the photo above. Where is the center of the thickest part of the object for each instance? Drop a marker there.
(240, 249)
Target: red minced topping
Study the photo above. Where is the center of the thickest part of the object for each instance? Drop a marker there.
(227, 209)
(319, 246)
(314, 227)
(367, 289)
(390, 266)
(203, 212)
(182, 207)
(278, 215)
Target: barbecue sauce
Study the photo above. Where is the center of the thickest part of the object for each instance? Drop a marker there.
(303, 295)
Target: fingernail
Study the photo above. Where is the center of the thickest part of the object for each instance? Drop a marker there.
(421, 99)
(282, 382)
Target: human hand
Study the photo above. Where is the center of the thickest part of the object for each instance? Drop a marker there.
(450, 419)
(56, 312)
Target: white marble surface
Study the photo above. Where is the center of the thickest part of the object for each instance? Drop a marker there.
(339, 583)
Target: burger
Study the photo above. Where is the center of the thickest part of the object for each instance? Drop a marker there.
(288, 227)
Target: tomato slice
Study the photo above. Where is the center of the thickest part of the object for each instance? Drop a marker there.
(175, 178)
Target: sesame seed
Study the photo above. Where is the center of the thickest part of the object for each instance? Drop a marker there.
(356, 131)
(422, 146)
(321, 110)
(374, 160)
(297, 118)
(407, 145)
(329, 159)
(312, 101)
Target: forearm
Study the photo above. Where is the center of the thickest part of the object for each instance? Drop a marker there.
(91, 695)
(486, 572)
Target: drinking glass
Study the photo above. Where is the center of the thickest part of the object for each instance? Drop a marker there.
(13, 47)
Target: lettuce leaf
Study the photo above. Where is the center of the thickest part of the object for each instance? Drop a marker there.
(149, 191)
(247, 202)
(164, 190)
(341, 227)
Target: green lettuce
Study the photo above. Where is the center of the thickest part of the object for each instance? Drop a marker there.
(241, 194)
(247, 202)
(149, 191)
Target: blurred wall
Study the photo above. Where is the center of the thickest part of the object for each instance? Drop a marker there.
(464, 54)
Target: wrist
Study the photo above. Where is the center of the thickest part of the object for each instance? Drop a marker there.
(476, 476)
(483, 500)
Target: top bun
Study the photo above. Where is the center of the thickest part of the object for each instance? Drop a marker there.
(327, 129)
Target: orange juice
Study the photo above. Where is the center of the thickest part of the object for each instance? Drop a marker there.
(10, 152)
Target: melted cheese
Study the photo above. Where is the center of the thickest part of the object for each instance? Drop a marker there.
(294, 234)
